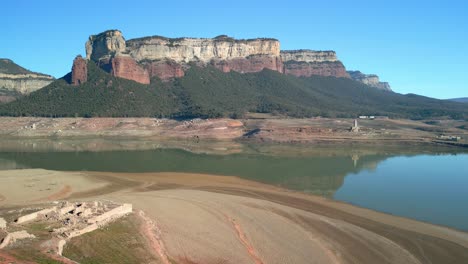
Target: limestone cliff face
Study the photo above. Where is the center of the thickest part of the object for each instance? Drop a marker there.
(306, 63)
(168, 58)
(105, 45)
(309, 56)
(198, 49)
(370, 79)
(17, 79)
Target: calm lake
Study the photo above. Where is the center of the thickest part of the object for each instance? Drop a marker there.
(428, 184)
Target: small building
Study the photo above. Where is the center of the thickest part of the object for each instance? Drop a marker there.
(450, 138)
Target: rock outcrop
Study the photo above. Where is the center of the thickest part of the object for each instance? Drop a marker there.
(128, 68)
(105, 45)
(14, 78)
(305, 63)
(370, 79)
(143, 58)
(79, 71)
(167, 58)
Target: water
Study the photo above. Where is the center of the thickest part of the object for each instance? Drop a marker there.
(431, 188)
(425, 184)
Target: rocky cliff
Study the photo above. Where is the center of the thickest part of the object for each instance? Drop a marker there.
(167, 58)
(14, 78)
(305, 63)
(143, 58)
(370, 79)
(79, 71)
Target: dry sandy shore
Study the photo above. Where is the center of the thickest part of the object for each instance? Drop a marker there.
(219, 219)
(309, 130)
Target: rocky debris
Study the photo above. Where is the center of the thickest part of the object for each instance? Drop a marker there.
(75, 219)
(35, 215)
(370, 79)
(13, 237)
(79, 71)
(305, 63)
(2, 223)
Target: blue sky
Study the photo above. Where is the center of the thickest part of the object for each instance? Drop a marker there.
(418, 46)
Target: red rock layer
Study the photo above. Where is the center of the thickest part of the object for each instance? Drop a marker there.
(165, 70)
(250, 64)
(305, 69)
(128, 68)
(79, 71)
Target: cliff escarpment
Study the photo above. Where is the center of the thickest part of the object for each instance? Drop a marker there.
(370, 79)
(16, 79)
(141, 59)
(306, 63)
(166, 58)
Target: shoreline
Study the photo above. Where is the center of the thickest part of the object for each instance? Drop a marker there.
(314, 131)
(184, 204)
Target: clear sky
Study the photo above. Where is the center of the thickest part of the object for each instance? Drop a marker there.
(418, 46)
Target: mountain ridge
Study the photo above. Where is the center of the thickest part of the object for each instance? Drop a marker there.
(140, 59)
(207, 92)
(16, 81)
(460, 100)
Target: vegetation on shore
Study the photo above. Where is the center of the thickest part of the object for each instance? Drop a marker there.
(208, 93)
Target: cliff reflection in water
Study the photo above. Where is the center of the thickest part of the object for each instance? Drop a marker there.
(307, 169)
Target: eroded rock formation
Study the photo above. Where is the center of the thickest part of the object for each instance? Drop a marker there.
(167, 58)
(143, 58)
(79, 71)
(370, 79)
(128, 68)
(15, 78)
(305, 63)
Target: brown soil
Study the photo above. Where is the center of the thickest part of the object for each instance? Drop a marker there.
(196, 218)
(315, 130)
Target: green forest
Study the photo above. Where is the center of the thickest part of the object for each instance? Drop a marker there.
(208, 92)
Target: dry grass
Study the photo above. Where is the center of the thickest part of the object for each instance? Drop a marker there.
(120, 242)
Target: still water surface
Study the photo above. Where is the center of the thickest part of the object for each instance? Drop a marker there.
(428, 185)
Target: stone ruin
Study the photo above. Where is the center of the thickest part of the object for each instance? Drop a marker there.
(355, 127)
(12, 237)
(74, 219)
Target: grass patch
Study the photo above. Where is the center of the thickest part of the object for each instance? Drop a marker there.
(119, 242)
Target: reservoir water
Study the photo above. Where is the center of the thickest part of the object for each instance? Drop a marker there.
(427, 184)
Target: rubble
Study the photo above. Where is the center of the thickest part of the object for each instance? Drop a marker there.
(75, 219)
(2, 223)
(35, 215)
(12, 237)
